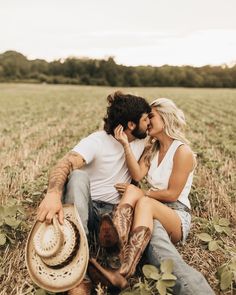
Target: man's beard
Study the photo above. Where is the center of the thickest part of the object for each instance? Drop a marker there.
(138, 133)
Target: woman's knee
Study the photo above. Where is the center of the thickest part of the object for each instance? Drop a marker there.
(133, 190)
(132, 195)
(143, 203)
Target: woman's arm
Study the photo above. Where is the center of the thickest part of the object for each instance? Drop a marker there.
(137, 170)
(183, 164)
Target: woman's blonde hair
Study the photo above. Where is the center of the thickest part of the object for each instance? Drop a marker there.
(174, 123)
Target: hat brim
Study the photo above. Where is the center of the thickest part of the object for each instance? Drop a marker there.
(66, 277)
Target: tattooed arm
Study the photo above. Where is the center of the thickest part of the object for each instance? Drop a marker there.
(51, 204)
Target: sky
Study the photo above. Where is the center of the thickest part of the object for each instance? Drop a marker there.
(134, 32)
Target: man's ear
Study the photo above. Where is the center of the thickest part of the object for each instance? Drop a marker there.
(131, 125)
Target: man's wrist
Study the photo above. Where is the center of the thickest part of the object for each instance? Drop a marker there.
(55, 193)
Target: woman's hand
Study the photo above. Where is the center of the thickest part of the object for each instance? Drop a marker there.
(121, 136)
(121, 187)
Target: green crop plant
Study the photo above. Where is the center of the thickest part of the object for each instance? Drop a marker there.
(155, 281)
(212, 230)
(12, 222)
(227, 274)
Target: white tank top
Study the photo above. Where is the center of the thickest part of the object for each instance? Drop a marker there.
(158, 176)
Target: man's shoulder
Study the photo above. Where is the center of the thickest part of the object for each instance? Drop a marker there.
(97, 138)
(90, 145)
(100, 135)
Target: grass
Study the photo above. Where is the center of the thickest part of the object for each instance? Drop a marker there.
(40, 123)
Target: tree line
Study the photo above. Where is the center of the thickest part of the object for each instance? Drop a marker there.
(14, 66)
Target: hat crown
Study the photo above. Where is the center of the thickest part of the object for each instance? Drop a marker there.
(48, 239)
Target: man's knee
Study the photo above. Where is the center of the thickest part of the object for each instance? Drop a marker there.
(78, 185)
(78, 176)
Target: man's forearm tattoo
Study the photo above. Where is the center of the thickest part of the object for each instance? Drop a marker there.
(61, 171)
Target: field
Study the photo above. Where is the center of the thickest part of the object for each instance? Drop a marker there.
(40, 123)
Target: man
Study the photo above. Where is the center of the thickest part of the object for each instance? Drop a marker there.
(93, 168)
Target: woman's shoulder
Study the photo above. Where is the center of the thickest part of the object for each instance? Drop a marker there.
(184, 148)
(184, 153)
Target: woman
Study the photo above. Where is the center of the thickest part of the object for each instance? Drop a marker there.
(168, 165)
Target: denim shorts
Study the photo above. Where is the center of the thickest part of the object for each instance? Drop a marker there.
(185, 218)
(184, 214)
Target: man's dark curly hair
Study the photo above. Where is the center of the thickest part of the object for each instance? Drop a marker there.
(123, 108)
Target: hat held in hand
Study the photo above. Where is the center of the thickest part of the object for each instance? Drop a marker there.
(57, 255)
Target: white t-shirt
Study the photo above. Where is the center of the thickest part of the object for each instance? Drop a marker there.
(105, 164)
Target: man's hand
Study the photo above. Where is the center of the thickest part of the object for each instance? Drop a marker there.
(121, 136)
(121, 187)
(50, 205)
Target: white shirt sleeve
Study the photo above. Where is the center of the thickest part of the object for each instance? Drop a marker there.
(88, 148)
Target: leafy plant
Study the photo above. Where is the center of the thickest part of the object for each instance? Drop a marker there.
(40, 291)
(221, 225)
(12, 222)
(156, 281)
(211, 244)
(227, 274)
(213, 228)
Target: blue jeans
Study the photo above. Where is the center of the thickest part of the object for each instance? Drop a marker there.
(190, 281)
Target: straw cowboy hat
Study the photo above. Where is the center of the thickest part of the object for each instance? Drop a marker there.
(57, 255)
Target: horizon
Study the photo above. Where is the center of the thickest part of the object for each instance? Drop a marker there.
(155, 33)
(230, 65)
